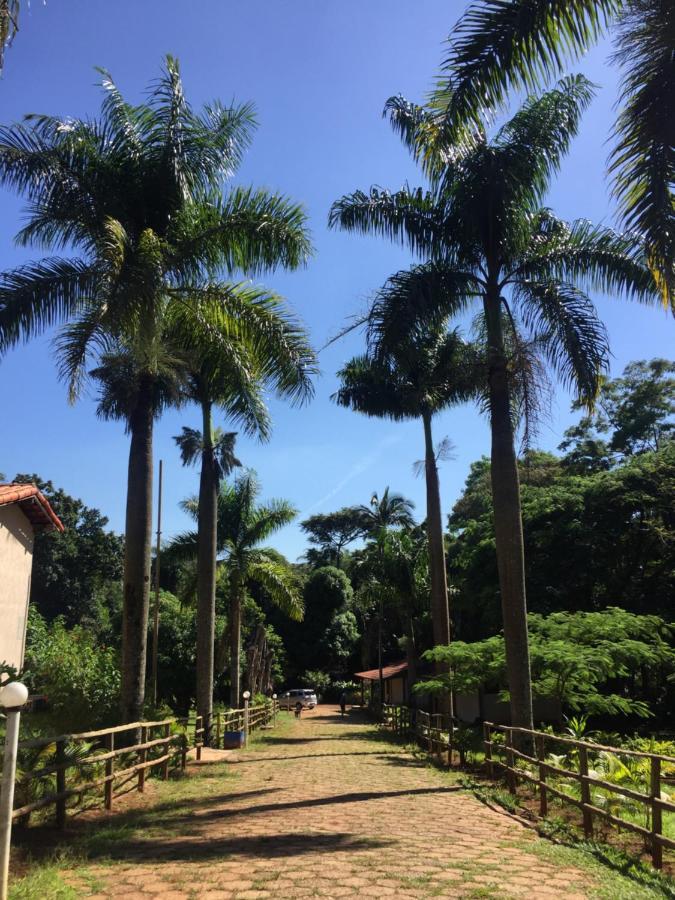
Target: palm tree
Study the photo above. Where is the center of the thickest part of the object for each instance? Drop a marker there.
(243, 524)
(138, 193)
(427, 371)
(388, 511)
(405, 571)
(383, 513)
(483, 227)
(216, 382)
(216, 454)
(500, 45)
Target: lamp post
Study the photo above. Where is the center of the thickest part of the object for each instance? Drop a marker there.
(274, 710)
(13, 697)
(247, 697)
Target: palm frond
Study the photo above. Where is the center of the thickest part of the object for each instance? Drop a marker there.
(247, 230)
(566, 326)
(418, 299)
(247, 318)
(532, 144)
(593, 257)
(280, 584)
(642, 162)
(38, 295)
(503, 45)
(190, 444)
(412, 217)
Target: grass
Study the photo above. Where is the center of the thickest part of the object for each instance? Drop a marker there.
(619, 876)
(44, 880)
(103, 840)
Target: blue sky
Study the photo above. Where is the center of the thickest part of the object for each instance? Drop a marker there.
(319, 74)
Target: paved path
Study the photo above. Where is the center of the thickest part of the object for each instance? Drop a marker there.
(328, 809)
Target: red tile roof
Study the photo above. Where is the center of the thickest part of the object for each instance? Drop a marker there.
(387, 672)
(33, 504)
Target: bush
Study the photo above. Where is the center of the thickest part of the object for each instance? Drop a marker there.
(80, 679)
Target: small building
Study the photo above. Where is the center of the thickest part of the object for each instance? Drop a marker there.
(395, 678)
(24, 511)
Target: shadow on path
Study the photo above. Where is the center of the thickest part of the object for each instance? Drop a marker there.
(354, 797)
(259, 846)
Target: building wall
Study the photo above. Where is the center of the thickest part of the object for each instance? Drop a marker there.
(16, 560)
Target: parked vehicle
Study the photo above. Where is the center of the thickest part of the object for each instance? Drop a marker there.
(306, 696)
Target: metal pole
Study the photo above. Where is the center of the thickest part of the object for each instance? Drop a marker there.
(245, 721)
(155, 624)
(7, 795)
(379, 653)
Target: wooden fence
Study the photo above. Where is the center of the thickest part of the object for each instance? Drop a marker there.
(98, 766)
(435, 732)
(438, 735)
(516, 764)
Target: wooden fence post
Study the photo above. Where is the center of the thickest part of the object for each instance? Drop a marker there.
(451, 740)
(61, 784)
(183, 750)
(487, 743)
(657, 824)
(585, 792)
(165, 764)
(543, 792)
(109, 770)
(142, 758)
(510, 762)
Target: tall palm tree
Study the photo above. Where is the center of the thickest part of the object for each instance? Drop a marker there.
(499, 45)
(213, 382)
(243, 524)
(138, 193)
(429, 370)
(483, 227)
(215, 452)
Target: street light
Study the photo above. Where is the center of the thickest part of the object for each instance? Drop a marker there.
(13, 697)
(247, 697)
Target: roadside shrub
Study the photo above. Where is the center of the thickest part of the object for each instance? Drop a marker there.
(80, 679)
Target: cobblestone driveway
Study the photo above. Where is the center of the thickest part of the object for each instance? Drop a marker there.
(329, 809)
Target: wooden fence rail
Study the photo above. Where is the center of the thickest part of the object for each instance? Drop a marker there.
(509, 757)
(437, 734)
(100, 765)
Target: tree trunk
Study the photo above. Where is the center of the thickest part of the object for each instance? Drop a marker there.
(411, 658)
(440, 610)
(206, 574)
(235, 642)
(137, 553)
(508, 520)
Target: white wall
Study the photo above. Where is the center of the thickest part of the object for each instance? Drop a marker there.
(16, 560)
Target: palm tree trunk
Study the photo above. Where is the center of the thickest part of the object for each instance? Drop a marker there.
(411, 658)
(440, 610)
(137, 553)
(235, 641)
(508, 520)
(206, 574)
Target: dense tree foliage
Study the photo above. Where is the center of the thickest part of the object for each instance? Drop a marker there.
(79, 678)
(330, 533)
(77, 573)
(598, 663)
(598, 522)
